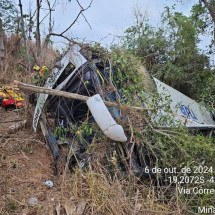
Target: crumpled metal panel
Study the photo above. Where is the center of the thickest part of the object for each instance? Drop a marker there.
(185, 109)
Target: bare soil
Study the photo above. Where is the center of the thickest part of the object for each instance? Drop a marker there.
(25, 164)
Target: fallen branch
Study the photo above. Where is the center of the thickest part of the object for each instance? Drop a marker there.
(14, 120)
(54, 92)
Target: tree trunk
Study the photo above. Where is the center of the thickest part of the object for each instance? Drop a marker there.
(22, 22)
(210, 5)
(47, 40)
(1, 43)
(38, 39)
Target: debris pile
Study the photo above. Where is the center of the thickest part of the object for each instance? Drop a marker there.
(82, 72)
(89, 76)
(112, 125)
(10, 97)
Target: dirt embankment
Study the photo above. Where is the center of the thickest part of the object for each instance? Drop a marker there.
(25, 164)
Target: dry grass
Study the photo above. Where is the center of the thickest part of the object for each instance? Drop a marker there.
(19, 62)
(114, 196)
(26, 163)
(101, 189)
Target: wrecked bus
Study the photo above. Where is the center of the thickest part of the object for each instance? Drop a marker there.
(82, 71)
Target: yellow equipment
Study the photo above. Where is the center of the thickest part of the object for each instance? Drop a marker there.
(3, 94)
(7, 92)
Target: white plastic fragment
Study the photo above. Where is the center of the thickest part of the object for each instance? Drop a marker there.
(104, 119)
(49, 183)
(33, 201)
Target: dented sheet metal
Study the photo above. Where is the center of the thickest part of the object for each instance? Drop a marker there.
(185, 110)
(83, 78)
(73, 56)
(89, 75)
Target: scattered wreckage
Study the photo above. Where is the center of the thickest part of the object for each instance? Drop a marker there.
(84, 73)
(10, 98)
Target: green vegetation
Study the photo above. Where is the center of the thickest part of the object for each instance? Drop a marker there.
(171, 52)
(114, 182)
